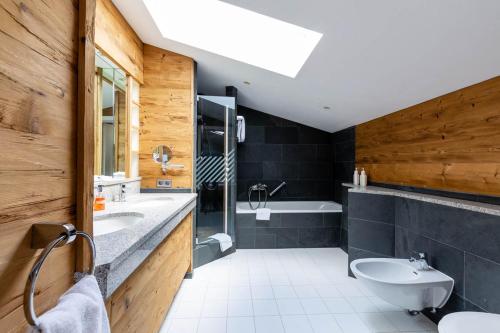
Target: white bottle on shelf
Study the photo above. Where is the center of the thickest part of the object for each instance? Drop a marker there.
(355, 177)
(363, 179)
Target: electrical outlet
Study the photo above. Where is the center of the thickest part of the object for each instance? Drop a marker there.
(164, 183)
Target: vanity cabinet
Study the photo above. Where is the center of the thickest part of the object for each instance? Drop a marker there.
(141, 303)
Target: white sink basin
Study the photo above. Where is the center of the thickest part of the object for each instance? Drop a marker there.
(114, 222)
(399, 282)
(151, 202)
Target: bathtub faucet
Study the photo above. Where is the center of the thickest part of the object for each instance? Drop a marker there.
(421, 260)
(258, 188)
(273, 192)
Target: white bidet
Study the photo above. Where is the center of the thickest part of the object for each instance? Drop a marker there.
(402, 283)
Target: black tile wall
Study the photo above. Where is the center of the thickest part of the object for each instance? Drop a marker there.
(461, 243)
(288, 231)
(377, 208)
(276, 150)
(343, 152)
(370, 225)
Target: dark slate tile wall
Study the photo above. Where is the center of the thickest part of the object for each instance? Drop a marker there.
(371, 226)
(278, 150)
(288, 231)
(343, 146)
(463, 244)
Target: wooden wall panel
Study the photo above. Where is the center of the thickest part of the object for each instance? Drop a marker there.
(141, 303)
(115, 37)
(38, 119)
(167, 99)
(449, 143)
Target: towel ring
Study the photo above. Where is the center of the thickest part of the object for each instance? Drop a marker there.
(48, 236)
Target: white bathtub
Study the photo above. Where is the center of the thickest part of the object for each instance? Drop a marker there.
(283, 207)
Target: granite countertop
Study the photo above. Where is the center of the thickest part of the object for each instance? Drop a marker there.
(451, 202)
(119, 253)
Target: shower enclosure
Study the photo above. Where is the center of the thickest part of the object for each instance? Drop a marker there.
(215, 174)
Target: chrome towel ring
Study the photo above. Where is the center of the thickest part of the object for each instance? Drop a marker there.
(49, 236)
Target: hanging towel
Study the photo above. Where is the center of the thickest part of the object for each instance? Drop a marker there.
(80, 310)
(241, 128)
(263, 214)
(224, 240)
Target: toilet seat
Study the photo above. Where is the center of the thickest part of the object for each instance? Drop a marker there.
(470, 322)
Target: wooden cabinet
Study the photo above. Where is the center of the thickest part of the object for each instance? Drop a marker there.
(141, 303)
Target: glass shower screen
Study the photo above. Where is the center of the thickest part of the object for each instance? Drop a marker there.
(215, 166)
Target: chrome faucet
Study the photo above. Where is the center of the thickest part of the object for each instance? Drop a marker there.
(259, 188)
(122, 196)
(421, 260)
(273, 192)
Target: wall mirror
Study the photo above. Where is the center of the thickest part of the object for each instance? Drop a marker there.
(110, 133)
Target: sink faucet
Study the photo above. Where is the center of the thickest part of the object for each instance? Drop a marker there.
(122, 196)
(421, 260)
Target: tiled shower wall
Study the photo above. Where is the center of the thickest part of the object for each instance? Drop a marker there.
(278, 150)
(461, 243)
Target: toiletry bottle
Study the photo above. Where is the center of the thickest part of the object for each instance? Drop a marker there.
(99, 201)
(363, 179)
(355, 177)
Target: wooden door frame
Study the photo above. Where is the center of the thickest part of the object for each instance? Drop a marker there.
(85, 128)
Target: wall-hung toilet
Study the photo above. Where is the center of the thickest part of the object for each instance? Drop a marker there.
(470, 322)
(404, 283)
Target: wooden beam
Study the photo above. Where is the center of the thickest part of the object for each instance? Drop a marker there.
(85, 126)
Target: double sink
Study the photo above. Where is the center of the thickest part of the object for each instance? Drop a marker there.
(112, 222)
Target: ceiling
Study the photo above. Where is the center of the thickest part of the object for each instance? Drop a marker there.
(375, 57)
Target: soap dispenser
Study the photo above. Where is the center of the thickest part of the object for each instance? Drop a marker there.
(355, 177)
(363, 179)
(99, 201)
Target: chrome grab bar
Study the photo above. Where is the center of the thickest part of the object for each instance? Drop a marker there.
(49, 236)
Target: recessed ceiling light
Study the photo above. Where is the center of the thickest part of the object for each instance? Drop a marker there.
(235, 32)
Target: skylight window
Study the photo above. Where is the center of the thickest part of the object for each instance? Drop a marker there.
(235, 32)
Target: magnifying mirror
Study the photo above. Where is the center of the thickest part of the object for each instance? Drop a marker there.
(161, 155)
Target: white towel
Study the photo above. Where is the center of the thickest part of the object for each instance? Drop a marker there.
(263, 214)
(225, 241)
(80, 310)
(240, 134)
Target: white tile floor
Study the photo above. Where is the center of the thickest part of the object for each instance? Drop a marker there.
(286, 290)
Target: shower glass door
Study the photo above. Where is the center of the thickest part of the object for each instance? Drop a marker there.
(215, 167)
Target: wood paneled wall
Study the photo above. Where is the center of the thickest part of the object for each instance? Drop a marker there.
(141, 303)
(115, 37)
(449, 143)
(167, 99)
(38, 131)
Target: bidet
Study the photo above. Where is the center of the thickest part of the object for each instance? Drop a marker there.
(404, 283)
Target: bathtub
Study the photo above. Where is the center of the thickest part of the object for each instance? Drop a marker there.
(293, 224)
(242, 207)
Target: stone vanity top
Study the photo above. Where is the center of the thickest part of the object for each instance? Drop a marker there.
(120, 252)
(451, 202)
